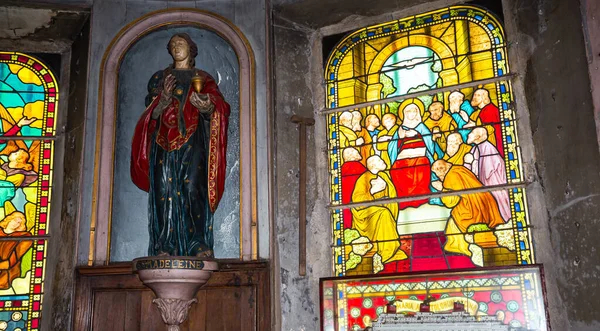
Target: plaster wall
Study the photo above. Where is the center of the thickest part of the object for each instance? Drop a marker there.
(556, 131)
(590, 11)
(108, 18)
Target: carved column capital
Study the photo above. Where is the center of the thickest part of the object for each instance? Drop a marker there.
(173, 311)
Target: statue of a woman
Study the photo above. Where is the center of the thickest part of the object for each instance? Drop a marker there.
(178, 154)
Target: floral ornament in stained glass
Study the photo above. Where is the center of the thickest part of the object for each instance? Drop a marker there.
(379, 310)
(355, 312)
(444, 296)
(515, 324)
(468, 294)
(17, 316)
(328, 313)
(512, 306)
(496, 296)
(356, 327)
(3, 325)
(483, 307)
(367, 303)
(390, 297)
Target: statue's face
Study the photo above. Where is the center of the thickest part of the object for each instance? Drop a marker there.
(180, 50)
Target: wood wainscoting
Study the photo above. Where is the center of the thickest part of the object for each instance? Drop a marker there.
(112, 298)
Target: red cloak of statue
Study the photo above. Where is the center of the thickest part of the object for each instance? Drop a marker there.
(169, 137)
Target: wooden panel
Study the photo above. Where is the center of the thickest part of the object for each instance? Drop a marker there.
(112, 298)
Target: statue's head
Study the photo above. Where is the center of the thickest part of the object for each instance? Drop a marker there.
(182, 47)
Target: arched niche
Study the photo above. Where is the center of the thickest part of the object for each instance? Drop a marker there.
(104, 166)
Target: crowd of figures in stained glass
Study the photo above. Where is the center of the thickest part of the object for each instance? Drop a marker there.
(424, 154)
(28, 106)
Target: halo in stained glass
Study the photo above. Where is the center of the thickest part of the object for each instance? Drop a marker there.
(28, 108)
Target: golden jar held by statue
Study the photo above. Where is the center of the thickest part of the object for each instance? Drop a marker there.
(197, 83)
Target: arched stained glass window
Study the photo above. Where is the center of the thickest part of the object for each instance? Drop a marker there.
(28, 106)
(425, 168)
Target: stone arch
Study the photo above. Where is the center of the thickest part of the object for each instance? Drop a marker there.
(107, 112)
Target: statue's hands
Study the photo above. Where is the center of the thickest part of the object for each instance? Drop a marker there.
(165, 98)
(202, 102)
(168, 86)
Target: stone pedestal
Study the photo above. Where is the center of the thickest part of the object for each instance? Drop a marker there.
(175, 281)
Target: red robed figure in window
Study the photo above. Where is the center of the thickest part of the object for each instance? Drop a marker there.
(178, 154)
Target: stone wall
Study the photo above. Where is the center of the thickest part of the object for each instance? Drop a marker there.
(556, 131)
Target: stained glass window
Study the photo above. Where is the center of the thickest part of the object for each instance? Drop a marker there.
(28, 106)
(424, 157)
(512, 297)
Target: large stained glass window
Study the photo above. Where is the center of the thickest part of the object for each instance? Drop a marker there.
(28, 106)
(425, 167)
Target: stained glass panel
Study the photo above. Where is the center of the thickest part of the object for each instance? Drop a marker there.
(28, 106)
(427, 111)
(507, 296)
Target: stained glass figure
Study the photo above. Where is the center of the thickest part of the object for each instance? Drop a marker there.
(509, 296)
(423, 147)
(28, 106)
